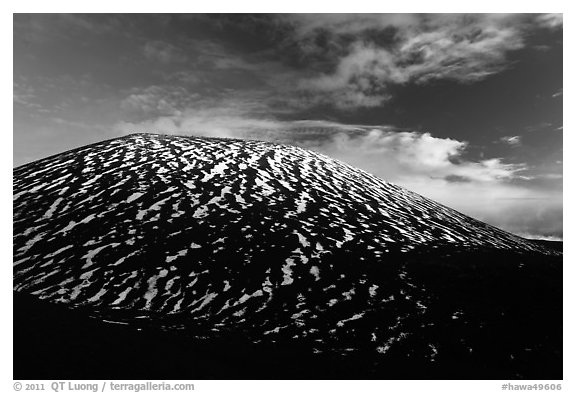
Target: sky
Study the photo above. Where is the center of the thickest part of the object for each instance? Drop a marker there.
(465, 109)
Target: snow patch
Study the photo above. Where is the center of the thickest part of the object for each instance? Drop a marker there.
(134, 196)
(287, 271)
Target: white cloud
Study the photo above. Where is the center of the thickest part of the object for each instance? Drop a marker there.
(211, 122)
(532, 236)
(514, 208)
(356, 78)
(399, 156)
(515, 140)
(230, 117)
(422, 48)
(551, 21)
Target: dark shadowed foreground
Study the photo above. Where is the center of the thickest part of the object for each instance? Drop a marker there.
(191, 258)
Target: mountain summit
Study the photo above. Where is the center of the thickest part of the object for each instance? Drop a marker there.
(286, 247)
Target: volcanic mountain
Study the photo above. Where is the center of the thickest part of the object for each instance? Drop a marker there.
(168, 256)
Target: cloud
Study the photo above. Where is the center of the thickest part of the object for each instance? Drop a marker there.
(552, 176)
(40, 95)
(211, 122)
(550, 238)
(515, 208)
(211, 55)
(513, 141)
(223, 60)
(163, 52)
(233, 116)
(350, 61)
(551, 21)
(156, 101)
(24, 95)
(397, 156)
(358, 79)
(366, 54)
(49, 28)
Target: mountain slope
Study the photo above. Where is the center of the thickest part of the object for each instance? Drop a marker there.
(277, 243)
